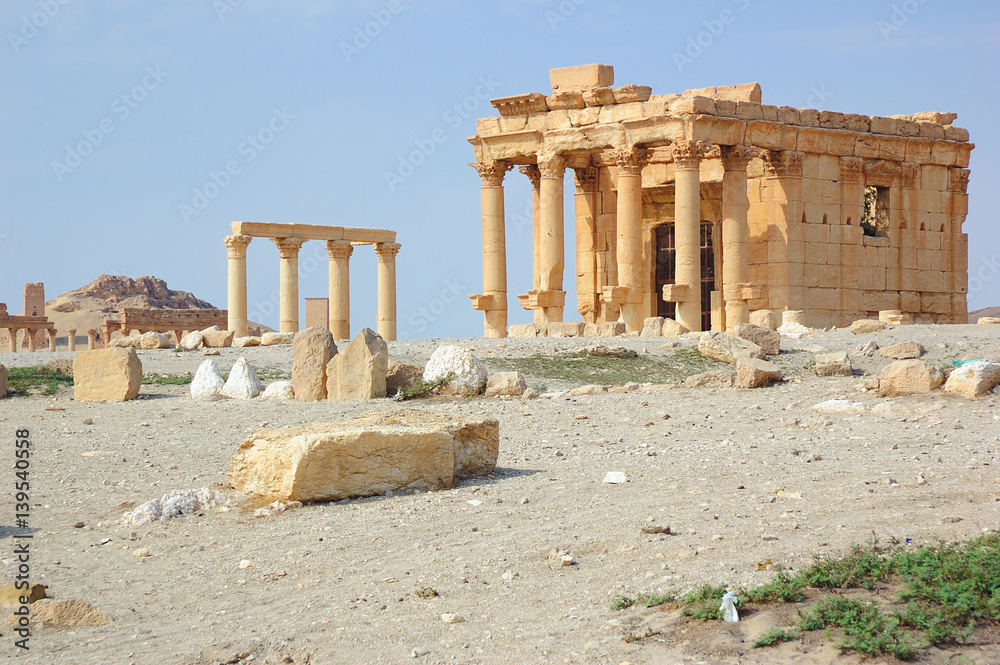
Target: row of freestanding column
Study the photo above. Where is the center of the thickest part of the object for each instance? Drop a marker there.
(339, 252)
(547, 296)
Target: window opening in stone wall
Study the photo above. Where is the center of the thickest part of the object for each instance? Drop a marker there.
(875, 221)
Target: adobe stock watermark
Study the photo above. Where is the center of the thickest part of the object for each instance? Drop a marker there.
(901, 14)
(986, 272)
(248, 150)
(365, 34)
(562, 13)
(818, 96)
(224, 7)
(122, 107)
(309, 265)
(452, 292)
(452, 118)
(31, 25)
(714, 28)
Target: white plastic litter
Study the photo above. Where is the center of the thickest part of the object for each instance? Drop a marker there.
(614, 478)
(728, 608)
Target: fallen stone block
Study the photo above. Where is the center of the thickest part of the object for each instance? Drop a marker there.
(402, 377)
(108, 375)
(837, 363)
(719, 378)
(468, 373)
(756, 373)
(526, 330)
(565, 329)
(279, 391)
(207, 381)
(988, 320)
(727, 348)
(902, 351)
(973, 380)
(10, 595)
(243, 342)
(218, 339)
(768, 340)
(312, 350)
(192, 340)
(506, 384)
(154, 340)
(673, 329)
(652, 327)
(242, 382)
(276, 338)
(358, 373)
(867, 326)
(369, 455)
(592, 389)
(909, 377)
(765, 318)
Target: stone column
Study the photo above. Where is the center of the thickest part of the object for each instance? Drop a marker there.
(13, 339)
(30, 332)
(494, 305)
(288, 248)
(735, 232)
(587, 291)
(535, 176)
(71, 339)
(786, 242)
(91, 339)
(629, 235)
(237, 248)
(687, 231)
(852, 197)
(552, 255)
(52, 339)
(340, 288)
(958, 210)
(386, 319)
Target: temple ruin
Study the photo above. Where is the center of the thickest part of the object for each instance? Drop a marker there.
(707, 206)
(176, 321)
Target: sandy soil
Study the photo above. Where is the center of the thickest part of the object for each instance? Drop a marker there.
(337, 583)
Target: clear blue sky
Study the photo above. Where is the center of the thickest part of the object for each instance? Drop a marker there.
(164, 94)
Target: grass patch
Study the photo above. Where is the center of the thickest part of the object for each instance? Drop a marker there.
(45, 379)
(422, 389)
(643, 599)
(774, 636)
(274, 375)
(167, 379)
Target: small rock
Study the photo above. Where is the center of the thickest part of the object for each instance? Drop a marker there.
(88, 421)
(245, 563)
(211, 352)
(452, 618)
(902, 351)
(768, 537)
(866, 326)
(79, 525)
(834, 364)
(653, 529)
(141, 553)
(567, 560)
(418, 652)
(951, 519)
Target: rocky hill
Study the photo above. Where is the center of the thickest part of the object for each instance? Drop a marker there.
(986, 311)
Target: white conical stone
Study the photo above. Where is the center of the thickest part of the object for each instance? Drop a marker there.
(279, 390)
(242, 382)
(208, 381)
(469, 373)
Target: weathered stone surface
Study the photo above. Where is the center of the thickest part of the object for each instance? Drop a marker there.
(727, 348)
(242, 382)
(866, 326)
(64, 614)
(130, 342)
(242, 342)
(768, 340)
(312, 350)
(275, 338)
(279, 391)
(358, 372)
(902, 351)
(565, 329)
(507, 384)
(402, 376)
(3, 381)
(973, 380)
(10, 595)
(193, 340)
(719, 378)
(112, 375)
(673, 329)
(218, 339)
(652, 327)
(468, 372)
(837, 363)
(765, 318)
(988, 320)
(154, 340)
(365, 456)
(908, 377)
(208, 381)
(756, 373)
(525, 330)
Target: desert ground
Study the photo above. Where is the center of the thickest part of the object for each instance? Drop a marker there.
(345, 582)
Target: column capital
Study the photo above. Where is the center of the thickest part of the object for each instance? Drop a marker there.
(533, 173)
(586, 179)
(237, 246)
(386, 251)
(339, 249)
(850, 169)
(908, 175)
(551, 166)
(958, 180)
(630, 160)
(492, 172)
(91, 331)
(736, 157)
(688, 154)
(289, 247)
(783, 163)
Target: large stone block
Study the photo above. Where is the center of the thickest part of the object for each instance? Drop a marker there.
(312, 350)
(218, 339)
(908, 377)
(506, 384)
(837, 363)
(866, 326)
(276, 338)
(111, 375)
(902, 351)
(581, 77)
(359, 371)
(765, 318)
(973, 380)
(727, 348)
(652, 327)
(365, 456)
(672, 329)
(566, 329)
(756, 373)
(768, 340)
(525, 330)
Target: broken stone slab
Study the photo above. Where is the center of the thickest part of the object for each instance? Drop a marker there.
(243, 342)
(973, 380)
(719, 378)
(837, 363)
(207, 381)
(242, 382)
(279, 391)
(402, 377)
(909, 377)
(468, 373)
(868, 349)
(154, 340)
(106, 375)
(218, 339)
(192, 340)
(358, 373)
(672, 329)
(768, 340)
(756, 373)
(988, 321)
(526, 330)
(867, 326)
(506, 384)
(276, 338)
(366, 456)
(902, 351)
(312, 350)
(726, 348)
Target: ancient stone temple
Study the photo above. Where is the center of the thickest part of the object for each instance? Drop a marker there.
(707, 206)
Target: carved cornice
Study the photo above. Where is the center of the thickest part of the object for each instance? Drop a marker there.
(958, 180)
(551, 166)
(881, 172)
(688, 154)
(783, 163)
(237, 246)
(386, 251)
(339, 249)
(908, 175)
(736, 157)
(492, 172)
(850, 169)
(288, 248)
(534, 175)
(630, 160)
(586, 180)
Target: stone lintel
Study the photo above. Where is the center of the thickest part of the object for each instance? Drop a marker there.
(357, 236)
(535, 299)
(620, 295)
